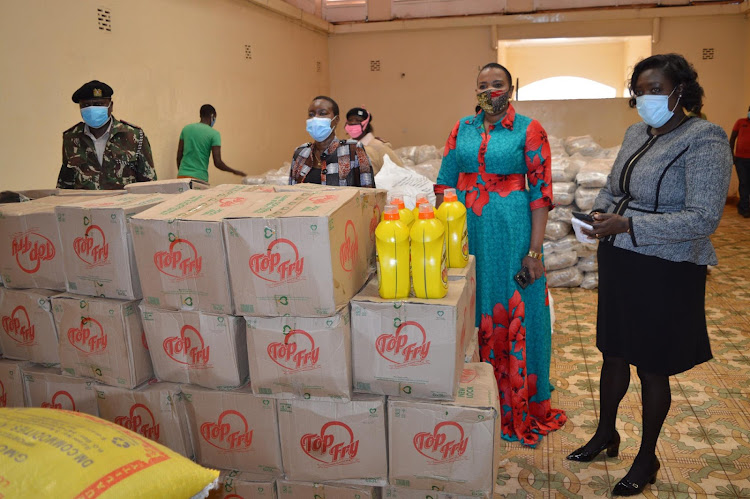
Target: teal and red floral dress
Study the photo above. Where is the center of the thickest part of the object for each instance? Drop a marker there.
(501, 175)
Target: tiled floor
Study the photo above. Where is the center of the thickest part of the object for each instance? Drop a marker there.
(704, 448)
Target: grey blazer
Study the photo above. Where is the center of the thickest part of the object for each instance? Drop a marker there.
(674, 190)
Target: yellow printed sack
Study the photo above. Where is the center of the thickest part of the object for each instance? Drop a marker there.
(61, 454)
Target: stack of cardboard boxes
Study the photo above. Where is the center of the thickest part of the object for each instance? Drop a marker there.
(69, 309)
(277, 360)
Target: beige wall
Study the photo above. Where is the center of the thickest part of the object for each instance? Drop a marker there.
(439, 69)
(164, 59)
(721, 78)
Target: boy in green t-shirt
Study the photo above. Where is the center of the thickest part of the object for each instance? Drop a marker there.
(197, 142)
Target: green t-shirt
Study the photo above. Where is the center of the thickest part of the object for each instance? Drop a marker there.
(198, 140)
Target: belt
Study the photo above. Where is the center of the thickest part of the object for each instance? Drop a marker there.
(478, 194)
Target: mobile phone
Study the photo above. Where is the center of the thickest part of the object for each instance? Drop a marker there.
(584, 217)
(523, 277)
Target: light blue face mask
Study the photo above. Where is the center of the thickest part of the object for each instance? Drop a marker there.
(654, 109)
(748, 115)
(213, 121)
(319, 128)
(95, 116)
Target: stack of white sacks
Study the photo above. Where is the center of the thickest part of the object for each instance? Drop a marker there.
(579, 170)
(275, 357)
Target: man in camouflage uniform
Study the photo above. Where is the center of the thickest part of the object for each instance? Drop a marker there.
(102, 152)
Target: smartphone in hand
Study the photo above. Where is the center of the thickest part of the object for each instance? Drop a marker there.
(584, 217)
(523, 277)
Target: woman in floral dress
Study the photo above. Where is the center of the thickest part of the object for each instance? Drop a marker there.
(490, 158)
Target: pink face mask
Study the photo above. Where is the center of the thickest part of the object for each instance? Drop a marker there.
(355, 131)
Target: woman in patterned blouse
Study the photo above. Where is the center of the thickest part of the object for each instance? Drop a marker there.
(327, 160)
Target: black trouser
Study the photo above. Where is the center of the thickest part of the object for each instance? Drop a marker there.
(743, 174)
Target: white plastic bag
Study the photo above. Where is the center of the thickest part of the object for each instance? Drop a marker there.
(556, 230)
(429, 169)
(585, 197)
(556, 146)
(571, 277)
(590, 280)
(408, 152)
(584, 145)
(587, 250)
(404, 182)
(561, 214)
(563, 192)
(563, 169)
(275, 177)
(557, 261)
(564, 245)
(595, 172)
(426, 153)
(588, 264)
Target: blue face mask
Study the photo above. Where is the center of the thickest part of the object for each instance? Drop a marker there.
(748, 115)
(654, 109)
(319, 128)
(213, 121)
(95, 116)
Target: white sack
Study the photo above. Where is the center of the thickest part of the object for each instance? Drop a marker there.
(557, 261)
(585, 197)
(571, 277)
(404, 182)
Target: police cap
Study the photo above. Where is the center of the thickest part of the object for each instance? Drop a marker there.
(94, 89)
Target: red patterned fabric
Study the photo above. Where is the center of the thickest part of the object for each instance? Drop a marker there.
(502, 343)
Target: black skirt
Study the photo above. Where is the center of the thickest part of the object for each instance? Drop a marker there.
(651, 311)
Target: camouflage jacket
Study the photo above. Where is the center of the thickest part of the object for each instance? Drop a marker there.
(127, 159)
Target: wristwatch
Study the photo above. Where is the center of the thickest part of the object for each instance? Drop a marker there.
(534, 254)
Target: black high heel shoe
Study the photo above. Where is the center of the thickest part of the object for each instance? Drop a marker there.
(627, 487)
(583, 456)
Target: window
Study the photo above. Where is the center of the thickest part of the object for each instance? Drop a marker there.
(573, 68)
(565, 87)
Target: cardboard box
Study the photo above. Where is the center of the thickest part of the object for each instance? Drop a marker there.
(469, 274)
(324, 441)
(288, 489)
(234, 430)
(48, 387)
(89, 192)
(101, 339)
(30, 247)
(448, 446)
(197, 348)
(412, 348)
(28, 327)
(38, 193)
(392, 492)
(97, 246)
(371, 207)
(295, 357)
(154, 410)
(171, 186)
(11, 383)
(179, 248)
(301, 254)
(472, 348)
(234, 484)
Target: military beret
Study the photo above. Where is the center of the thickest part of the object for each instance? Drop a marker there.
(94, 89)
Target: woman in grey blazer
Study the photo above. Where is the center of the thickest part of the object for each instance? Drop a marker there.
(664, 198)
